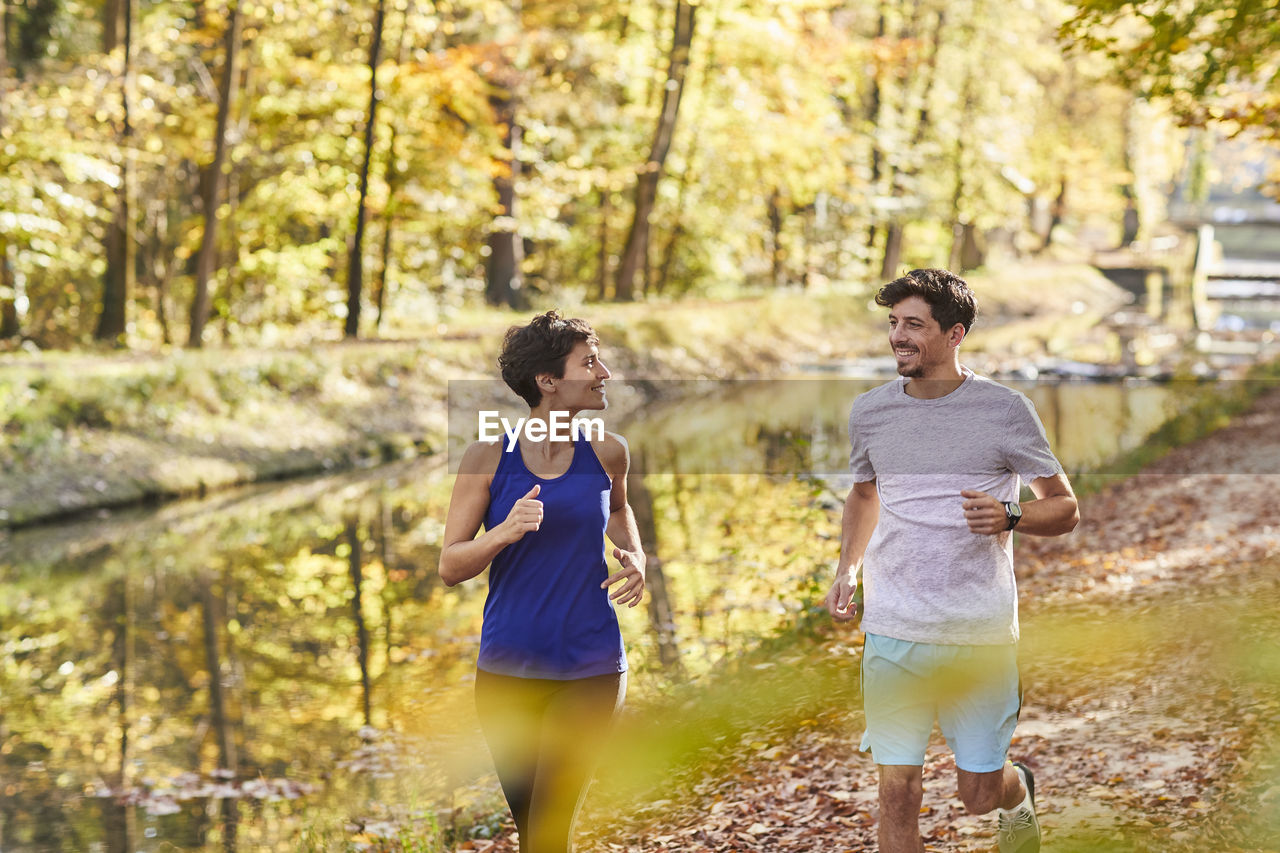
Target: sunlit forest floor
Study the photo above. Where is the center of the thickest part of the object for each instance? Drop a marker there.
(1151, 655)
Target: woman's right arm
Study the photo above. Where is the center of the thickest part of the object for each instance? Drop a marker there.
(464, 554)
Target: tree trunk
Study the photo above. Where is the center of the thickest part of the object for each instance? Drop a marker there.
(776, 252)
(10, 326)
(637, 246)
(957, 246)
(669, 256)
(212, 189)
(394, 179)
(1057, 212)
(973, 251)
(892, 251)
(958, 218)
(602, 272)
(380, 295)
(624, 20)
(677, 233)
(688, 177)
(355, 268)
(806, 246)
(118, 281)
(646, 270)
(32, 32)
(233, 296)
(502, 278)
(111, 31)
(162, 263)
(874, 109)
(892, 258)
(1131, 224)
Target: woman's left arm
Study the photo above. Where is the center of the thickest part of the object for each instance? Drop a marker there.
(621, 527)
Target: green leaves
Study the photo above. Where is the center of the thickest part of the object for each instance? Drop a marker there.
(1195, 54)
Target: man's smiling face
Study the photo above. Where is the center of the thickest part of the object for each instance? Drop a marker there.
(920, 345)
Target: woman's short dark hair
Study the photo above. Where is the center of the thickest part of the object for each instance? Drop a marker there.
(540, 347)
(948, 295)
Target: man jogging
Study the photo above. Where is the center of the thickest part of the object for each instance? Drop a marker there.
(938, 457)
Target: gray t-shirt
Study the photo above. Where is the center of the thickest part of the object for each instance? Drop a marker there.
(927, 578)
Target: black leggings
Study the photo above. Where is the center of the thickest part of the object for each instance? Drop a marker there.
(546, 737)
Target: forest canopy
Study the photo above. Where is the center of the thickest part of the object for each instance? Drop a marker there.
(247, 171)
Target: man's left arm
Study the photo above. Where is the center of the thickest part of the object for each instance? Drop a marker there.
(1053, 512)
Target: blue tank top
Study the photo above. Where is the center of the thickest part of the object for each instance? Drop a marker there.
(546, 615)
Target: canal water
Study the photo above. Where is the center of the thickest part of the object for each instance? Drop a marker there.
(264, 669)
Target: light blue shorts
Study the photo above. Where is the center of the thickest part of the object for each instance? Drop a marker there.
(972, 691)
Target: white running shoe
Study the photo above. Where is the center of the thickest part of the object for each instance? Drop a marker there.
(1017, 829)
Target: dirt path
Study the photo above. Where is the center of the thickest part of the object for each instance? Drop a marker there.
(1151, 652)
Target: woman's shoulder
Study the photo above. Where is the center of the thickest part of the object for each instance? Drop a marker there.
(613, 453)
(481, 457)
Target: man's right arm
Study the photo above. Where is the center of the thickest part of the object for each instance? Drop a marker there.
(861, 512)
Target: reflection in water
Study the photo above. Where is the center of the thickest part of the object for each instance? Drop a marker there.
(271, 664)
(221, 725)
(355, 557)
(216, 679)
(662, 622)
(122, 824)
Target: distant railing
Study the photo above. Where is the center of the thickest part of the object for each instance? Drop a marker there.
(1221, 212)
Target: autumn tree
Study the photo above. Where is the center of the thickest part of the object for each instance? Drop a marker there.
(503, 276)
(636, 251)
(926, 39)
(395, 179)
(9, 326)
(355, 267)
(118, 279)
(213, 183)
(1212, 59)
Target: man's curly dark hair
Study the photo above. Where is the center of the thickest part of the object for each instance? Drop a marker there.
(948, 295)
(540, 347)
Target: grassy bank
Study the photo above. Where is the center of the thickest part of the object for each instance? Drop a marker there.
(88, 430)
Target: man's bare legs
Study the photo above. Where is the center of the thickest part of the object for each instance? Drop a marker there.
(902, 791)
(984, 792)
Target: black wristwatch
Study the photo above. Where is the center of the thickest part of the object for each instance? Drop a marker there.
(1013, 512)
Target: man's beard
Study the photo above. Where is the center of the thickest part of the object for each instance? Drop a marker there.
(914, 372)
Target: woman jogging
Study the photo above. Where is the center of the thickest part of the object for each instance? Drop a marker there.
(551, 673)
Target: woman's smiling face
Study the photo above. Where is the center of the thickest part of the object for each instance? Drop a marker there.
(582, 386)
